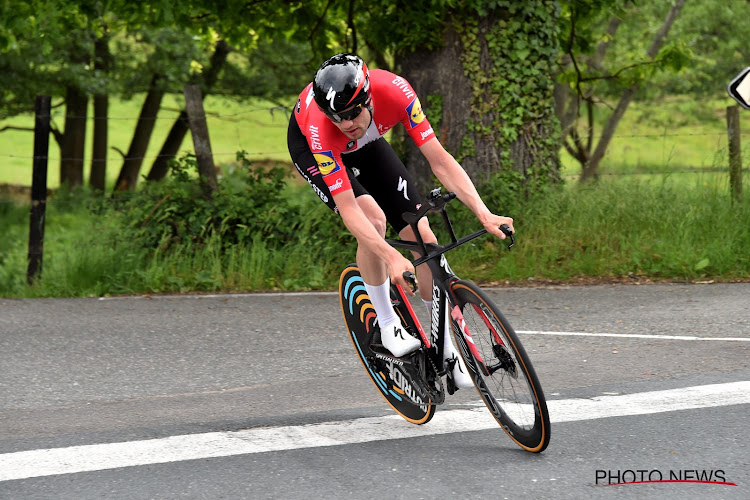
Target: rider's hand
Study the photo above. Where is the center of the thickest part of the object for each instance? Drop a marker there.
(397, 266)
(492, 223)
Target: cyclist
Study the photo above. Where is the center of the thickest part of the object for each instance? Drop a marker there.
(335, 139)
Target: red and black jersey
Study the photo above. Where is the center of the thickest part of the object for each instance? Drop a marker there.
(393, 101)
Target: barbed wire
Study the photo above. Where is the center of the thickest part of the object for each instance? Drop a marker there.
(118, 158)
(210, 113)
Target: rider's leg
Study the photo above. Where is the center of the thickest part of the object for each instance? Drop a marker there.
(378, 285)
(424, 275)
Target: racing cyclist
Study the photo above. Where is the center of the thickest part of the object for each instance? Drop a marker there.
(335, 139)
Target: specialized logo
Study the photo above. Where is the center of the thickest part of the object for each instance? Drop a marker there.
(444, 264)
(435, 313)
(416, 115)
(402, 186)
(330, 96)
(389, 359)
(326, 163)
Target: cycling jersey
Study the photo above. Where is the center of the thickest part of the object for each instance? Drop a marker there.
(393, 101)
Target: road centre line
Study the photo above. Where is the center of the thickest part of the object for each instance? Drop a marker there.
(87, 458)
(634, 336)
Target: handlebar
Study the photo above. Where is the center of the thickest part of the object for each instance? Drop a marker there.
(506, 230)
(436, 202)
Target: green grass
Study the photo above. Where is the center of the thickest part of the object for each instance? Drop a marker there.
(258, 127)
(676, 135)
(624, 229)
(611, 230)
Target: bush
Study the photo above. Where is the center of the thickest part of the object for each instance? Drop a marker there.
(248, 204)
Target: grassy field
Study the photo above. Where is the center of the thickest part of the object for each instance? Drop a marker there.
(258, 127)
(676, 137)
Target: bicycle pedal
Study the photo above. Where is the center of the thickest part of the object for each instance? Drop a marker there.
(450, 385)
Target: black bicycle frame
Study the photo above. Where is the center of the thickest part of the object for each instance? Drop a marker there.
(442, 274)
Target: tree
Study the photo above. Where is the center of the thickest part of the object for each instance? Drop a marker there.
(587, 78)
(483, 70)
(590, 169)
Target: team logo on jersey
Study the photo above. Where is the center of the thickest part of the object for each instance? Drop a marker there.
(416, 115)
(326, 163)
(350, 145)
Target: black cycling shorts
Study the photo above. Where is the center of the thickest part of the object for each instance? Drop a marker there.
(374, 169)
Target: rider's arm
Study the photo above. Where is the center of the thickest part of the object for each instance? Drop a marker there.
(455, 179)
(362, 229)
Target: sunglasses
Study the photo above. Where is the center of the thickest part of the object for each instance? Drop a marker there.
(349, 114)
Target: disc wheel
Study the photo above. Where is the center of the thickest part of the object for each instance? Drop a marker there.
(390, 380)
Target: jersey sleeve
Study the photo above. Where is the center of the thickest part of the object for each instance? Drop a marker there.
(412, 115)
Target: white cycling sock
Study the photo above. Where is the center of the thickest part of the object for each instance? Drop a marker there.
(380, 296)
(428, 305)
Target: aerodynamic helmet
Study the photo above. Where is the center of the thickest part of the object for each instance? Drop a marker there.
(342, 83)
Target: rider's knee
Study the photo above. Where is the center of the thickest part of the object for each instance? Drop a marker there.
(379, 223)
(424, 230)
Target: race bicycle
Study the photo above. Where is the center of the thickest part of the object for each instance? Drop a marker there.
(497, 362)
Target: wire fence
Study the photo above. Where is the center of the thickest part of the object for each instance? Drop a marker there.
(260, 131)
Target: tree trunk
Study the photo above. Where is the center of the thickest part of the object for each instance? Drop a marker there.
(567, 103)
(131, 165)
(468, 125)
(591, 168)
(98, 175)
(74, 137)
(170, 147)
(180, 127)
(438, 74)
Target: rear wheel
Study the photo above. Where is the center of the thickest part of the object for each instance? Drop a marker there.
(391, 380)
(500, 367)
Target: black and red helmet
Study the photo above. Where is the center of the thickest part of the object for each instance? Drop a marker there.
(341, 82)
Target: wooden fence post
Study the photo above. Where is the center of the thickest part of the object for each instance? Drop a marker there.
(38, 188)
(735, 153)
(201, 141)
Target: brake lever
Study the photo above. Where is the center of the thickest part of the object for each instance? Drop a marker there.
(506, 230)
(411, 279)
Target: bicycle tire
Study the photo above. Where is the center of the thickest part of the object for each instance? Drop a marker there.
(511, 392)
(359, 316)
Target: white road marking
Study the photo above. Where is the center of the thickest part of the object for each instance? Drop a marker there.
(46, 462)
(634, 336)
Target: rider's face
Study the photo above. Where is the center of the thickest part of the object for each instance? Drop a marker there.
(356, 128)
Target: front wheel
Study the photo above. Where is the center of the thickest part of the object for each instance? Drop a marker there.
(500, 367)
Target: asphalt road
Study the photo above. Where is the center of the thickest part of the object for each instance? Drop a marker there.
(120, 372)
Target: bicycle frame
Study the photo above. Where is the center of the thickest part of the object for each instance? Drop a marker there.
(442, 274)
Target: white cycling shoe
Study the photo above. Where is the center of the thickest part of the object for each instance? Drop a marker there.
(396, 339)
(461, 376)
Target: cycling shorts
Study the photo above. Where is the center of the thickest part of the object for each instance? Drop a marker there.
(374, 169)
